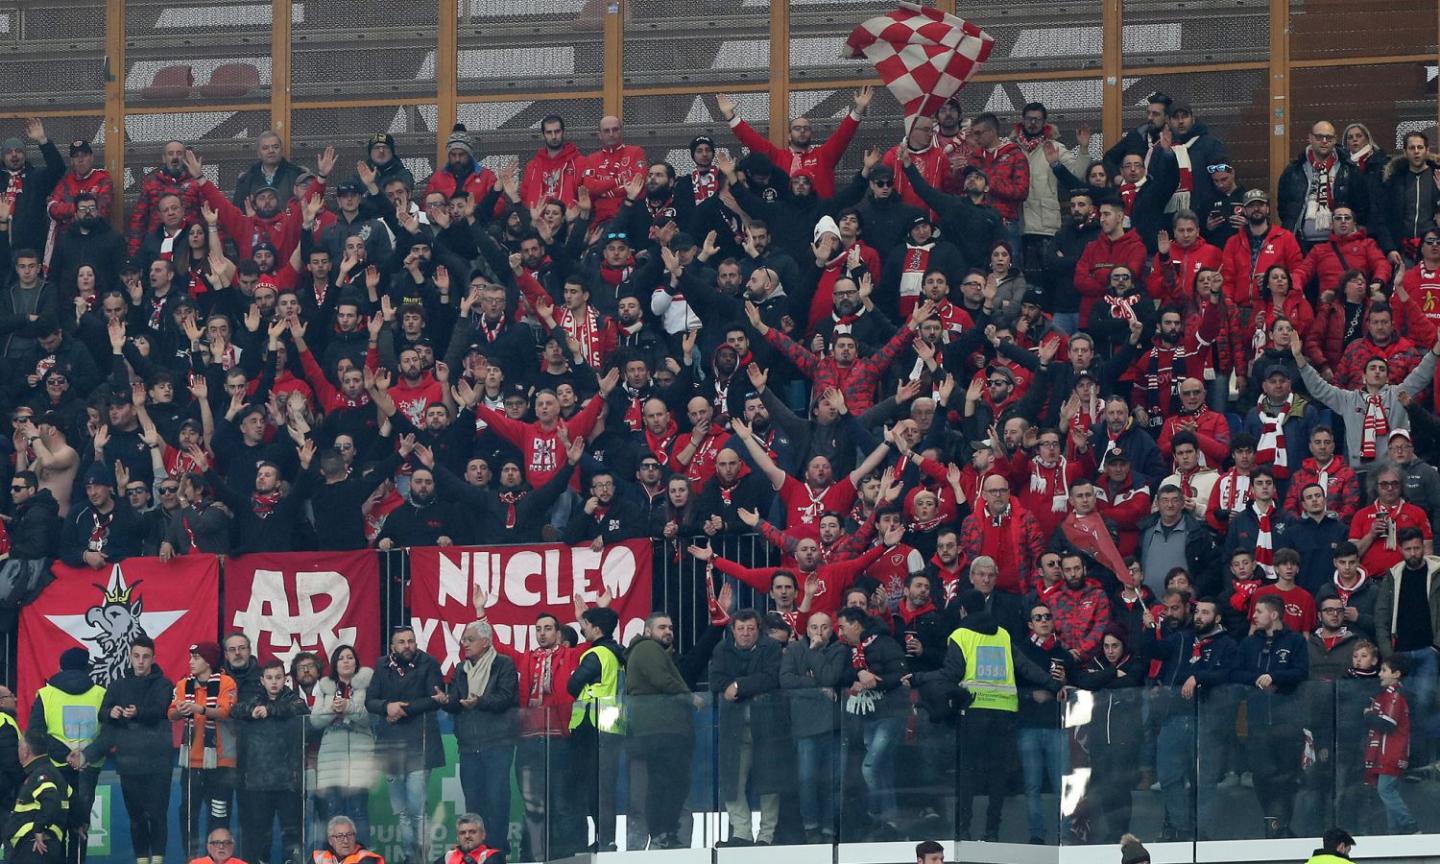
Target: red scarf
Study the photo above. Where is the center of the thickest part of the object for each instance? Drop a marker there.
(1047, 644)
(263, 504)
(99, 529)
(907, 616)
(706, 183)
(1089, 534)
(1324, 176)
(587, 331)
(1002, 540)
(660, 444)
(1345, 593)
(857, 654)
(1377, 426)
(510, 499)
(1049, 481)
(613, 276)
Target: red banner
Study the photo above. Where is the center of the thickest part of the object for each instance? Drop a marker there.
(176, 603)
(288, 602)
(522, 582)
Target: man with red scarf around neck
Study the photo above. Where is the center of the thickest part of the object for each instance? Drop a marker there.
(833, 578)
(1115, 247)
(1355, 589)
(839, 254)
(818, 493)
(834, 544)
(594, 333)
(695, 451)
(945, 567)
(1047, 477)
(265, 518)
(660, 431)
(1196, 480)
(1209, 428)
(1006, 532)
(918, 626)
(1231, 492)
(1375, 530)
(801, 151)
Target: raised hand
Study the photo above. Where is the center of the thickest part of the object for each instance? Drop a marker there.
(326, 162)
(726, 105)
(700, 553)
(862, 98)
(758, 377)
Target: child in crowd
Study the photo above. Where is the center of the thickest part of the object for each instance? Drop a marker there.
(1387, 747)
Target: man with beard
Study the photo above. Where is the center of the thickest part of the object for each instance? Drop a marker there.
(907, 265)
(82, 178)
(1143, 139)
(777, 441)
(834, 577)
(661, 727)
(171, 178)
(732, 488)
(1194, 148)
(1175, 363)
(626, 403)
(1040, 142)
(725, 388)
(405, 694)
(605, 517)
(852, 315)
(1119, 430)
(265, 518)
(553, 173)
(952, 137)
(761, 251)
(1117, 248)
(1196, 658)
(104, 530)
(1251, 252)
(461, 172)
(653, 204)
(700, 184)
(801, 152)
(832, 544)
(1069, 245)
(423, 520)
(635, 336)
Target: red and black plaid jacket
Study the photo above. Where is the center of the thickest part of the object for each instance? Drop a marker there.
(857, 381)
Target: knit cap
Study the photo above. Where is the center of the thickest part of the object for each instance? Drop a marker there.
(459, 140)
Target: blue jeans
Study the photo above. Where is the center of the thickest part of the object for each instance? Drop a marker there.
(882, 736)
(485, 780)
(353, 803)
(1218, 392)
(817, 764)
(1042, 755)
(1397, 815)
(407, 799)
(1420, 687)
(1174, 764)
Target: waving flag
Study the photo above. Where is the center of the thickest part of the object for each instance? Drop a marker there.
(924, 56)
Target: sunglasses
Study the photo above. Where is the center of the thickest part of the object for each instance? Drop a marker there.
(1216, 169)
(649, 466)
(169, 490)
(1432, 241)
(19, 488)
(1043, 616)
(883, 184)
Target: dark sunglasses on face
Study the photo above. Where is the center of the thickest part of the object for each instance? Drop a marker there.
(1043, 616)
(883, 184)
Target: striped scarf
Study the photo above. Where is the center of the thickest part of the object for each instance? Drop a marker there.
(1271, 448)
(1376, 426)
(211, 699)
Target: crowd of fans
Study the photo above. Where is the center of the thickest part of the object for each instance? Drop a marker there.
(1022, 424)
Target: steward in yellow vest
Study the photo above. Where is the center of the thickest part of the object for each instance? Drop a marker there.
(67, 711)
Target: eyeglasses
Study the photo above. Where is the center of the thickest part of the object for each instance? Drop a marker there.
(1343, 217)
(348, 835)
(1043, 616)
(1120, 277)
(1388, 484)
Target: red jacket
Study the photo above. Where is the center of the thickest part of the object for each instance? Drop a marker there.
(1257, 334)
(1387, 742)
(821, 159)
(1101, 255)
(1422, 286)
(822, 302)
(834, 577)
(605, 173)
(478, 183)
(1125, 506)
(1172, 276)
(1325, 343)
(62, 200)
(933, 165)
(856, 381)
(543, 454)
(1211, 430)
(553, 722)
(1008, 168)
(1244, 273)
(1342, 487)
(145, 215)
(281, 230)
(1401, 355)
(1324, 264)
(549, 176)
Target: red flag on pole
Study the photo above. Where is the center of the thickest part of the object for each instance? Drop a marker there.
(923, 55)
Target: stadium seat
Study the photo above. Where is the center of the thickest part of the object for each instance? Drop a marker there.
(232, 81)
(170, 82)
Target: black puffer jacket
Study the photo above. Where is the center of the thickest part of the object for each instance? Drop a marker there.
(271, 746)
(35, 528)
(142, 744)
(1346, 185)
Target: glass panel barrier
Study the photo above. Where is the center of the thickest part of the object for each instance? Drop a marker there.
(661, 787)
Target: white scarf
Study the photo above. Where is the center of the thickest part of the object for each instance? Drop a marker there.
(1181, 199)
(477, 673)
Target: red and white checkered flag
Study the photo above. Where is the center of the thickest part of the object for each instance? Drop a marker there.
(923, 55)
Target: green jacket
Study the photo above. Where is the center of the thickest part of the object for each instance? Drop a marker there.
(657, 698)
